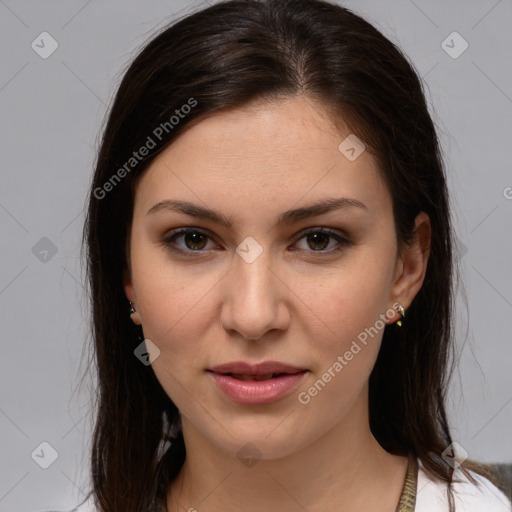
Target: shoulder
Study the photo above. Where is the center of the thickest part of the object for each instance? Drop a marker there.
(431, 495)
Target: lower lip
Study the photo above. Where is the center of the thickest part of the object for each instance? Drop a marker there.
(256, 391)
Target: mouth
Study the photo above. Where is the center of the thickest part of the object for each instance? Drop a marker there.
(261, 371)
(240, 376)
(264, 383)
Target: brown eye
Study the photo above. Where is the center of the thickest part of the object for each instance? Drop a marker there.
(195, 240)
(320, 240)
(186, 240)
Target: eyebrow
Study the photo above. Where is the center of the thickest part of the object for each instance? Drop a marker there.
(288, 217)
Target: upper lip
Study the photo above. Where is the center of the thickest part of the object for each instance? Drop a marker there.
(264, 368)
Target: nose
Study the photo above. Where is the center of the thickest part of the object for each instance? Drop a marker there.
(255, 298)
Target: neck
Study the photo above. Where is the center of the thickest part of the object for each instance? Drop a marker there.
(343, 469)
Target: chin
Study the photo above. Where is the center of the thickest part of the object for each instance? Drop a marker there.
(258, 440)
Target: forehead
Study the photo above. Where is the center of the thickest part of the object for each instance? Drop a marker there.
(265, 155)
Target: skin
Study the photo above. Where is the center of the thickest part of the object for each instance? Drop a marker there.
(298, 302)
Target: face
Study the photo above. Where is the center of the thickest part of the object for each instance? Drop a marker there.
(265, 277)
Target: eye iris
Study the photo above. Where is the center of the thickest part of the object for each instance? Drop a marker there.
(195, 239)
(316, 239)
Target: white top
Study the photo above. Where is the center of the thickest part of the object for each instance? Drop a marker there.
(431, 495)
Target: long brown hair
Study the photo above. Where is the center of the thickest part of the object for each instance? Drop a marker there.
(226, 56)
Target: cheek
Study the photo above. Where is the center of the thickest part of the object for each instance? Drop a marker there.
(173, 301)
(353, 303)
(169, 294)
(354, 298)
(175, 314)
(175, 317)
(344, 358)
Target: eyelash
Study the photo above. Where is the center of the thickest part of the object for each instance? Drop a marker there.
(170, 238)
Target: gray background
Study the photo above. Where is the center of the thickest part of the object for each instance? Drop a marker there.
(52, 111)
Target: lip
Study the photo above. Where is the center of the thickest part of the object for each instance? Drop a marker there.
(254, 392)
(264, 368)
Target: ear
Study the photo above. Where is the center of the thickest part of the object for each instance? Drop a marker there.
(412, 263)
(130, 294)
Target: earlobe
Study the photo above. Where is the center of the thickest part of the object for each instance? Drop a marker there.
(412, 264)
(130, 295)
(134, 314)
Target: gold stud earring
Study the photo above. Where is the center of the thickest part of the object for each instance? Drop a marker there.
(401, 310)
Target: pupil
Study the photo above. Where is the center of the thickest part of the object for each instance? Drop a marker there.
(316, 238)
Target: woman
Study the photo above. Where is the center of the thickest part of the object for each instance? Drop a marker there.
(270, 267)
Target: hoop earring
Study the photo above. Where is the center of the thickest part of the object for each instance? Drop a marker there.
(401, 310)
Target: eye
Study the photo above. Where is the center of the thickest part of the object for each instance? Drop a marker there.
(319, 239)
(190, 240)
(193, 240)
